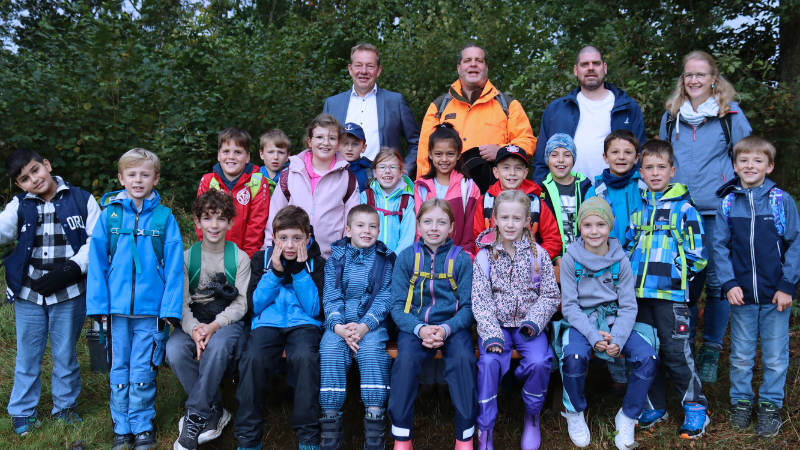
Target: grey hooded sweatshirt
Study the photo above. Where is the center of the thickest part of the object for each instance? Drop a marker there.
(595, 291)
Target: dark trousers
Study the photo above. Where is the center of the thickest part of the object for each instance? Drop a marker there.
(671, 321)
(264, 348)
(460, 371)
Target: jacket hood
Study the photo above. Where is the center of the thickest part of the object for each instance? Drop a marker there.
(339, 248)
(596, 262)
(408, 189)
(735, 185)
(488, 93)
(362, 162)
(298, 164)
(621, 97)
(527, 186)
(486, 240)
(675, 191)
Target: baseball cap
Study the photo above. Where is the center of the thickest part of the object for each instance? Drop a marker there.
(355, 130)
(511, 150)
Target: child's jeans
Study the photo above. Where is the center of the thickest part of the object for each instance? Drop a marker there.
(575, 363)
(460, 372)
(533, 371)
(137, 350)
(200, 379)
(748, 323)
(373, 363)
(62, 322)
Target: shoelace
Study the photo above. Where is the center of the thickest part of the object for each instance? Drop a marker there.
(193, 428)
(577, 424)
(695, 419)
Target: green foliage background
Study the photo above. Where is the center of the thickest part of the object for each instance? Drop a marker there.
(82, 81)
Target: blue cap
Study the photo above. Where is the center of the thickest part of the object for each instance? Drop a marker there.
(355, 130)
(561, 140)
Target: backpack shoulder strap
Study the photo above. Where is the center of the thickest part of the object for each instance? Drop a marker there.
(670, 125)
(727, 201)
(441, 104)
(230, 259)
(195, 262)
(451, 264)
(615, 273)
(351, 185)
(414, 276)
(255, 183)
(673, 228)
(403, 205)
(284, 182)
(578, 271)
(377, 275)
(214, 184)
(113, 225)
(778, 210)
(338, 269)
(727, 127)
(158, 230)
(370, 196)
(504, 100)
(536, 262)
(482, 258)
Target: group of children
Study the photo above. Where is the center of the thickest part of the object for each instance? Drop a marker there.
(320, 258)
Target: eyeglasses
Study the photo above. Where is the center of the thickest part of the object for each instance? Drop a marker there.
(321, 139)
(359, 66)
(700, 76)
(384, 167)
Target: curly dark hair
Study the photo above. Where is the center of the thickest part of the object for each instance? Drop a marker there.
(212, 202)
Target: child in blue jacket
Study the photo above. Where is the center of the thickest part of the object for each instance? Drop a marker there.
(434, 312)
(138, 291)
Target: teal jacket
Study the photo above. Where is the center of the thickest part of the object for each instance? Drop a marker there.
(396, 234)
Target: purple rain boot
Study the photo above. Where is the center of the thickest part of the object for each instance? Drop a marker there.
(531, 436)
(485, 440)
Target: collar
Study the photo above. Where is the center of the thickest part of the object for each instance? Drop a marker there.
(354, 93)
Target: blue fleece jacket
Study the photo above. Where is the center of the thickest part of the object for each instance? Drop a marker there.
(115, 287)
(396, 234)
(438, 304)
(622, 201)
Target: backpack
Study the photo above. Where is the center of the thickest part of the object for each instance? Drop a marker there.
(775, 204)
(157, 231)
(399, 213)
(230, 259)
(256, 178)
(441, 103)
(581, 271)
(418, 273)
(727, 125)
(482, 258)
(636, 219)
(351, 185)
(379, 267)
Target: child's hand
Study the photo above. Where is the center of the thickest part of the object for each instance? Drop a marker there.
(302, 254)
(736, 296)
(207, 331)
(277, 250)
(343, 331)
(612, 350)
(782, 299)
(361, 330)
(197, 337)
(601, 346)
(606, 335)
(426, 334)
(438, 337)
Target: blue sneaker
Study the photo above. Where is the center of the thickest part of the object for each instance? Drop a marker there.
(650, 417)
(67, 416)
(24, 425)
(257, 447)
(309, 447)
(695, 421)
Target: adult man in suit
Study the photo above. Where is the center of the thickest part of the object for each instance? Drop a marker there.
(383, 115)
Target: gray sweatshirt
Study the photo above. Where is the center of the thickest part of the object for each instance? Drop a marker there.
(596, 291)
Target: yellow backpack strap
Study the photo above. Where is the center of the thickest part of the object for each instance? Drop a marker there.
(673, 227)
(412, 283)
(450, 264)
(214, 184)
(255, 183)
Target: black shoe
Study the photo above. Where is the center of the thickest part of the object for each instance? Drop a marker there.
(192, 425)
(374, 432)
(122, 442)
(769, 420)
(216, 423)
(618, 390)
(145, 441)
(331, 432)
(740, 414)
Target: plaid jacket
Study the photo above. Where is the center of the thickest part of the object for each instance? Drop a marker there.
(664, 241)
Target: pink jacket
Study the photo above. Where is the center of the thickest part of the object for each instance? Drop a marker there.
(326, 207)
(464, 196)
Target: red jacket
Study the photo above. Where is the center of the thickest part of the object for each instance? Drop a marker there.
(251, 210)
(544, 226)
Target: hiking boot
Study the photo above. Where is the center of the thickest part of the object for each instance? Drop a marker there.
(625, 428)
(578, 430)
(695, 421)
(331, 432)
(531, 435)
(257, 447)
(220, 417)
(122, 442)
(485, 439)
(67, 416)
(145, 441)
(374, 432)
(769, 419)
(24, 425)
(650, 417)
(190, 427)
(740, 414)
(707, 364)
(618, 390)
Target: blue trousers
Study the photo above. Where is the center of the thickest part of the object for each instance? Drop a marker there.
(137, 351)
(373, 363)
(460, 371)
(575, 364)
(62, 322)
(717, 310)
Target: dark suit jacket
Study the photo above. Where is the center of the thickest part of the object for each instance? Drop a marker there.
(395, 121)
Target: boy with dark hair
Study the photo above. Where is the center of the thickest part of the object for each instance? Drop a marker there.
(354, 144)
(52, 222)
(216, 276)
(757, 221)
(356, 301)
(275, 148)
(136, 281)
(234, 174)
(284, 297)
(665, 246)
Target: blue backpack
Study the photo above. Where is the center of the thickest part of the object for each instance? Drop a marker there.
(775, 204)
(581, 271)
(376, 276)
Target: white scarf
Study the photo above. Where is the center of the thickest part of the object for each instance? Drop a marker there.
(708, 108)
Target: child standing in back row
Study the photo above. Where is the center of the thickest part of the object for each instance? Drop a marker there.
(275, 147)
(514, 295)
(353, 145)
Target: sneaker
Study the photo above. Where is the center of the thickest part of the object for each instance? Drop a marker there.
(374, 432)
(625, 428)
(257, 447)
(650, 417)
(24, 425)
(707, 364)
(123, 442)
(695, 421)
(189, 428)
(769, 419)
(309, 447)
(145, 441)
(618, 390)
(331, 432)
(578, 430)
(67, 416)
(220, 417)
(740, 414)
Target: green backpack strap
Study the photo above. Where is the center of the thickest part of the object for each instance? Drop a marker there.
(195, 258)
(673, 228)
(255, 184)
(195, 263)
(113, 224)
(158, 231)
(231, 256)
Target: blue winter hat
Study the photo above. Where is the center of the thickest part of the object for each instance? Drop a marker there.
(561, 140)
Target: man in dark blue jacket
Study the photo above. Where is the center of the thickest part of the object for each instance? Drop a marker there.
(588, 114)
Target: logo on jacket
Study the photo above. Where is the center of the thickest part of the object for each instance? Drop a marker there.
(450, 116)
(75, 222)
(243, 197)
(627, 121)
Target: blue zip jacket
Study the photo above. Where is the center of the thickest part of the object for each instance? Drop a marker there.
(654, 252)
(361, 169)
(116, 288)
(622, 201)
(348, 302)
(562, 116)
(287, 298)
(701, 156)
(439, 305)
(395, 234)
(749, 252)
